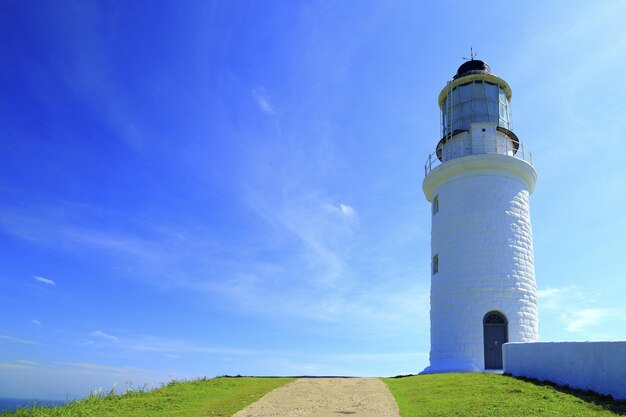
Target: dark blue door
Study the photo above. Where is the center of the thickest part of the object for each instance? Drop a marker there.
(495, 335)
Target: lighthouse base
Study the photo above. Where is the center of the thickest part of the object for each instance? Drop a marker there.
(450, 366)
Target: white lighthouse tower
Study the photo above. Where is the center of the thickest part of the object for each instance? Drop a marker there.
(479, 181)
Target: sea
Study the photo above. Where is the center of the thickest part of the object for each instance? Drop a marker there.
(11, 404)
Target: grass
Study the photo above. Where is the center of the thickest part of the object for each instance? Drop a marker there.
(484, 394)
(467, 395)
(218, 397)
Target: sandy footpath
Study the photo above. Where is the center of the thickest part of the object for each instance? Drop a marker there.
(326, 397)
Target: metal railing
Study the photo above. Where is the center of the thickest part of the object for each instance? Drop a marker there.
(494, 145)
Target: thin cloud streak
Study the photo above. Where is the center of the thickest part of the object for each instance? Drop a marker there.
(31, 225)
(555, 298)
(43, 280)
(17, 340)
(98, 334)
(146, 343)
(22, 365)
(263, 102)
(65, 227)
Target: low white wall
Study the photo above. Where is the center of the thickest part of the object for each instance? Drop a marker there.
(596, 366)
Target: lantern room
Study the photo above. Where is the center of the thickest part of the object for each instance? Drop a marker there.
(475, 114)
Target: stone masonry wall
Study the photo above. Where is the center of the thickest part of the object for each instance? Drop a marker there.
(483, 238)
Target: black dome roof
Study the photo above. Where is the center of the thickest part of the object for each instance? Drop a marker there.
(474, 66)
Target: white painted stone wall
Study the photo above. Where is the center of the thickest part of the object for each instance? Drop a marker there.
(483, 237)
(596, 366)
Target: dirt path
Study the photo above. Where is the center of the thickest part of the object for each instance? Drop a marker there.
(326, 397)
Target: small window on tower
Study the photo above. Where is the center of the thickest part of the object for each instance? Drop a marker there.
(435, 264)
(435, 205)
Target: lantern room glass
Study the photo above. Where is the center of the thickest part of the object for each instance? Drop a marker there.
(476, 101)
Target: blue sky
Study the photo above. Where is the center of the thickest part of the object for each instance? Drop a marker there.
(206, 188)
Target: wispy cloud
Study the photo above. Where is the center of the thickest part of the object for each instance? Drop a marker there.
(579, 311)
(347, 210)
(262, 100)
(307, 218)
(87, 70)
(330, 285)
(17, 340)
(409, 356)
(558, 297)
(98, 334)
(19, 364)
(172, 348)
(43, 280)
(344, 210)
(76, 378)
(122, 373)
(70, 227)
(95, 368)
(152, 344)
(146, 343)
(36, 322)
(584, 320)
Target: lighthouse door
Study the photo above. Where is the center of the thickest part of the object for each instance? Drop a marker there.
(495, 335)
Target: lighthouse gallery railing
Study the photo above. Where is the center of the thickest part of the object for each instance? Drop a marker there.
(493, 145)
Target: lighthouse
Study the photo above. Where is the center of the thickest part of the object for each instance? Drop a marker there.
(478, 182)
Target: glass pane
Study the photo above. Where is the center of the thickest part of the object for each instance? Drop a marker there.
(479, 90)
(480, 107)
(466, 108)
(481, 118)
(465, 91)
(455, 112)
(502, 95)
(491, 91)
(492, 108)
(455, 95)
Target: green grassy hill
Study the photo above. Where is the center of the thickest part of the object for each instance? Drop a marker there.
(485, 394)
(467, 395)
(218, 397)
